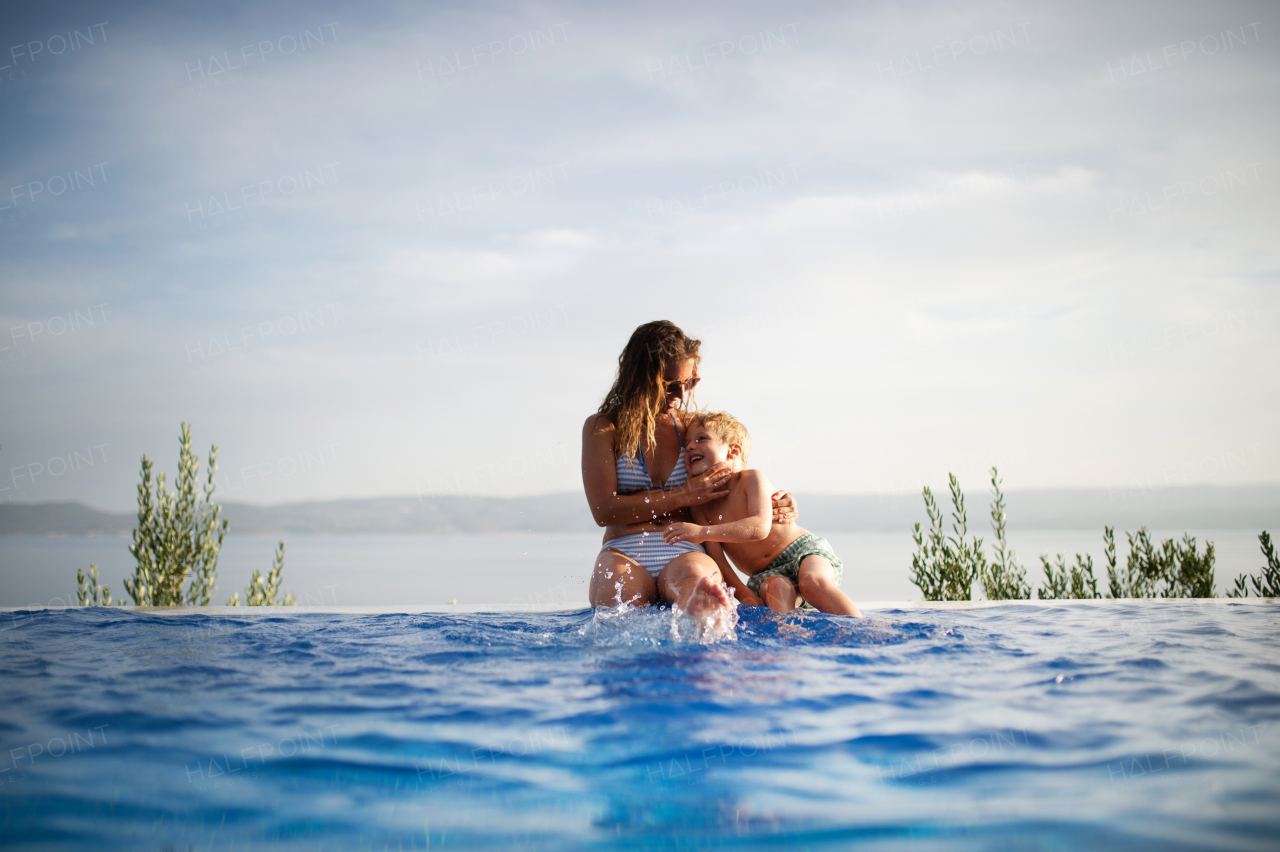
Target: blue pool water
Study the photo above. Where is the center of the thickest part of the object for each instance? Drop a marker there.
(1101, 726)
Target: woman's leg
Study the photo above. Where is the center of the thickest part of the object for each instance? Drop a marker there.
(818, 587)
(779, 593)
(618, 579)
(692, 582)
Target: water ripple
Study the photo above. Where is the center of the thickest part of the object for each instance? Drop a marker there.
(1110, 725)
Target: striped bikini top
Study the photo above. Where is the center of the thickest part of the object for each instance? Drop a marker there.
(633, 475)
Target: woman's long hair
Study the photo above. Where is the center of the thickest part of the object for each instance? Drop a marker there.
(639, 394)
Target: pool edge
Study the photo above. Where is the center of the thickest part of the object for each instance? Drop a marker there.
(553, 608)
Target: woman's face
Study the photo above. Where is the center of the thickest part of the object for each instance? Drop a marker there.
(676, 378)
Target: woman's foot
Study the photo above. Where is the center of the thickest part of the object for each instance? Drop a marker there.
(708, 599)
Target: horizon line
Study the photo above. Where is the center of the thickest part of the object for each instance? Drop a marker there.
(1135, 491)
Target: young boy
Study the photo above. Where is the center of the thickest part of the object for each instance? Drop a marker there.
(783, 561)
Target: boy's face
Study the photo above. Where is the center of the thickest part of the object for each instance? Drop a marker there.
(706, 449)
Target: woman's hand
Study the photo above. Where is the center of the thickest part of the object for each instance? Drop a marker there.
(711, 484)
(784, 508)
(681, 531)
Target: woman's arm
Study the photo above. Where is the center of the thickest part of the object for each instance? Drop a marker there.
(754, 526)
(600, 481)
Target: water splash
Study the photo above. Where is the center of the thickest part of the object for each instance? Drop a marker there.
(627, 625)
(722, 626)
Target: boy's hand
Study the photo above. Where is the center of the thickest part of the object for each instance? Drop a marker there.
(683, 532)
(784, 508)
(747, 598)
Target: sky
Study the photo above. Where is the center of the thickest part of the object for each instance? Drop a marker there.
(379, 248)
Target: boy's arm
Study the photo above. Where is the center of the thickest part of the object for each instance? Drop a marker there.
(731, 578)
(754, 526)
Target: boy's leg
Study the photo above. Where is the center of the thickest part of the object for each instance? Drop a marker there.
(618, 579)
(818, 587)
(779, 593)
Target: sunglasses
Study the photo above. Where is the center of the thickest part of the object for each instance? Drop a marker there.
(687, 385)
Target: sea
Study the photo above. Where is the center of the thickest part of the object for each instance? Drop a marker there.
(544, 570)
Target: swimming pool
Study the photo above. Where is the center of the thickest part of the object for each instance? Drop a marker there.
(1063, 726)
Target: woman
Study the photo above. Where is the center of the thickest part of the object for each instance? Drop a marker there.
(635, 495)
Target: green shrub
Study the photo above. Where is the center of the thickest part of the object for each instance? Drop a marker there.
(1175, 570)
(1075, 582)
(88, 590)
(1004, 578)
(265, 591)
(178, 537)
(1265, 584)
(944, 567)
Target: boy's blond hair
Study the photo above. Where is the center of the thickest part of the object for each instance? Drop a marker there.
(727, 428)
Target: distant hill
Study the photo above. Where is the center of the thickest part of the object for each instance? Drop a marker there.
(457, 514)
(59, 519)
(1252, 507)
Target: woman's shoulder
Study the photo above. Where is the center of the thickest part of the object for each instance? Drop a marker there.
(598, 424)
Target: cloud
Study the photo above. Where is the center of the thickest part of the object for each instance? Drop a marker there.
(863, 211)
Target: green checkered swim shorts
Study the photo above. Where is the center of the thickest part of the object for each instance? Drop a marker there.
(787, 563)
